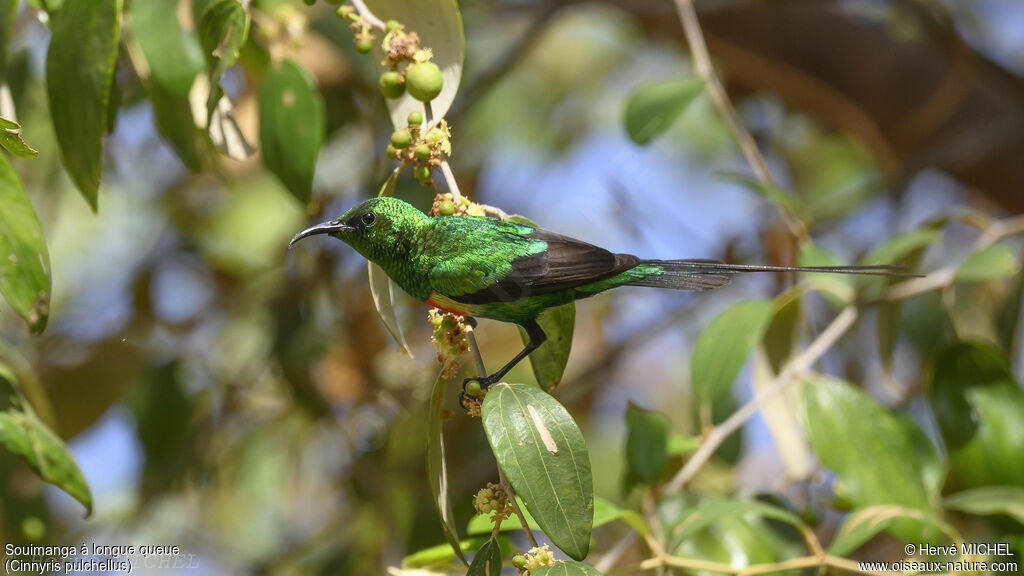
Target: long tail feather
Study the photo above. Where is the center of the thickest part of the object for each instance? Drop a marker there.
(709, 274)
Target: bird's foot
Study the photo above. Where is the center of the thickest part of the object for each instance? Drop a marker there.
(473, 387)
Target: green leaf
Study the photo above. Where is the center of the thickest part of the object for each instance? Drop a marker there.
(782, 334)
(957, 369)
(928, 462)
(989, 501)
(867, 448)
(651, 109)
(437, 467)
(682, 445)
(995, 262)
(25, 435)
(8, 13)
(863, 524)
(646, 444)
(442, 554)
(902, 249)
(24, 259)
(541, 450)
(381, 287)
(776, 195)
(566, 568)
(223, 30)
(723, 347)
(487, 561)
(79, 74)
(837, 289)
(173, 55)
(605, 512)
(439, 26)
(992, 457)
(291, 126)
(549, 360)
(714, 511)
(10, 139)
(172, 115)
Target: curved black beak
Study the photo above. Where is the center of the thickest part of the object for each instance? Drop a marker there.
(329, 227)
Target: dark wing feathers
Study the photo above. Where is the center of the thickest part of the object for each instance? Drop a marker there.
(567, 263)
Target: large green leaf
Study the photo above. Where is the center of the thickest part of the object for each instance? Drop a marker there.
(605, 512)
(988, 501)
(10, 139)
(723, 347)
(863, 524)
(22, 433)
(541, 450)
(223, 30)
(869, 450)
(24, 259)
(173, 55)
(992, 263)
(487, 561)
(439, 26)
(566, 568)
(957, 369)
(651, 109)
(646, 444)
(992, 456)
(291, 126)
(79, 74)
(437, 466)
(172, 114)
(381, 287)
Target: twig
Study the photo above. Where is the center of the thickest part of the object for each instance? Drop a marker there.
(510, 494)
(702, 62)
(799, 364)
(367, 15)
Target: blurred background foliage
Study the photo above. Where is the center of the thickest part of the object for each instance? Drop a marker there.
(245, 403)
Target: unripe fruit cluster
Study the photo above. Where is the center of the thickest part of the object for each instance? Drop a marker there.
(413, 146)
(493, 500)
(449, 338)
(534, 559)
(364, 31)
(446, 205)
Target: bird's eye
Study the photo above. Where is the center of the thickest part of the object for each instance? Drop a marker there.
(369, 218)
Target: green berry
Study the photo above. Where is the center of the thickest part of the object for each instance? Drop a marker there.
(415, 118)
(519, 561)
(446, 208)
(422, 152)
(364, 45)
(448, 324)
(401, 138)
(424, 80)
(473, 389)
(391, 85)
(391, 151)
(310, 2)
(422, 173)
(391, 25)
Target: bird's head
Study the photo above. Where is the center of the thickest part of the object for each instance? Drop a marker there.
(376, 227)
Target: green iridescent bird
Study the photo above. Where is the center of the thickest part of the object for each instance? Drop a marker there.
(507, 271)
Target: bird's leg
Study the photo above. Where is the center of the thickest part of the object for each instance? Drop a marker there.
(537, 337)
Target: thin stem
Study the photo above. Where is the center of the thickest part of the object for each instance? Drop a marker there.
(800, 363)
(367, 15)
(705, 69)
(511, 495)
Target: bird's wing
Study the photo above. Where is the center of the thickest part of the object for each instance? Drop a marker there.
(543, 262)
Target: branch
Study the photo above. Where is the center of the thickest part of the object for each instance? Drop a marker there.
(510, 494)
(800, 363)
(702, 62)
(367, 15)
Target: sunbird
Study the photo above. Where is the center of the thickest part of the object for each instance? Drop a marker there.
(486, 267)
